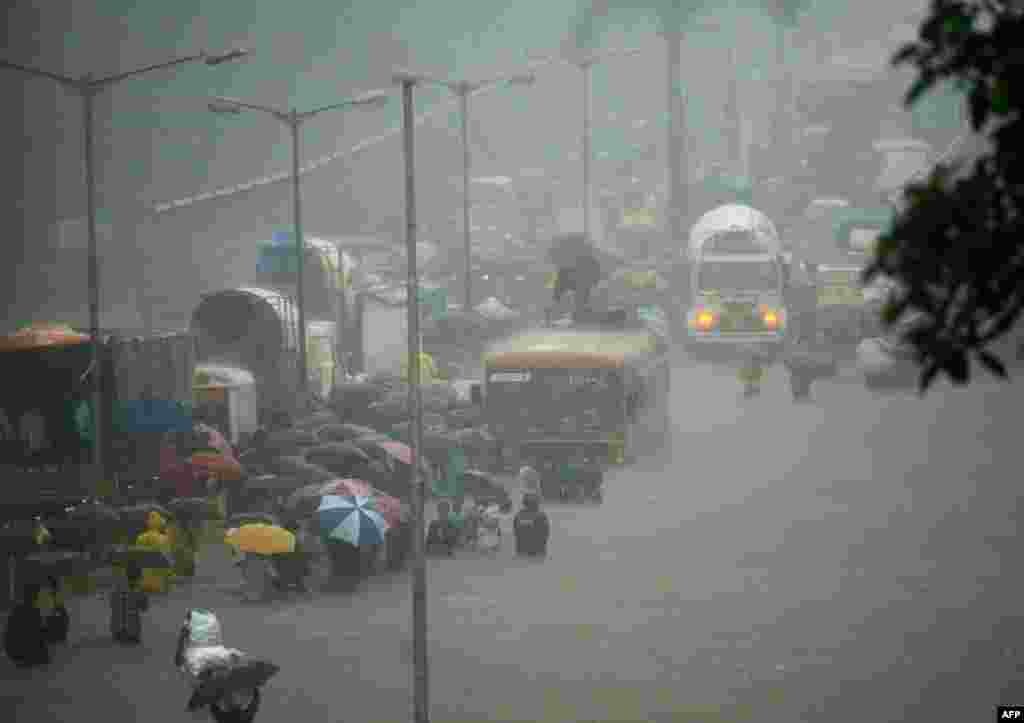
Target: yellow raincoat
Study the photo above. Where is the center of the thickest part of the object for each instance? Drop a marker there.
(154, 538)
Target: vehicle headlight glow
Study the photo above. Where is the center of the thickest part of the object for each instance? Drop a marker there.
(770, 318)
(704, 320)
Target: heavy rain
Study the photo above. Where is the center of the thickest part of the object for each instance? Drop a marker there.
(579, 360)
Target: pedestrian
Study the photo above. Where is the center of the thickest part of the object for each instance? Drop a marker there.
(442, 536)
(529, 480)
(489, 536)
(57, 622)
(127, 603)
(345, 561)
(457, 517)
(752, 373)
(25, 633)
(531, 528)
(800, 379)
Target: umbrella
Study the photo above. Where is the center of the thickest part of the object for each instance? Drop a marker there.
(568, 248)
(261, 539)
(42, 565)
(335, 450)
(396, 450)
(316, 420)
(224, 467)
(192, 509)
(42, 336)
(354, 520)
(250, 518)
(95, 511)
(390, 508)
(299, 468)
(274, 483)
(306, 499)
(242, 674)
(357, 430)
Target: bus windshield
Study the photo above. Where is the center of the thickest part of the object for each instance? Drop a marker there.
(738, 276)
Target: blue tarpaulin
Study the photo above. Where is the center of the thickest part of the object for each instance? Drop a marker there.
(153, 416)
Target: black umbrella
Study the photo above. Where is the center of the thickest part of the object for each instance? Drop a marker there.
(357, 430)
(251, 518)
(244, 673)
(97, 511)
(191, 509)
(274, 483)
(301, 469)
(41, 566)
(330, 451)
(304, 501)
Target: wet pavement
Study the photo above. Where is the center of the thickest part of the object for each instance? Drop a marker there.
(849, 559)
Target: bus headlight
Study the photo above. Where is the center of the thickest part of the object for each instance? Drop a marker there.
(704, 320)
(770, 317)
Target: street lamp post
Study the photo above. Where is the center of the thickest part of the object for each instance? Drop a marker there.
(585, 65)
(463, 89)
(87, 87)
(421, 680)
(293, 120)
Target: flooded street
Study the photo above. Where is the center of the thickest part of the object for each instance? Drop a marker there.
(732, 573)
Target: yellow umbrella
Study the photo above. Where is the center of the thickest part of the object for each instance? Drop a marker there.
(42, 336)
(261, 539)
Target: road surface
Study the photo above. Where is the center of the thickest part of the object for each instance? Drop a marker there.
(850, 559)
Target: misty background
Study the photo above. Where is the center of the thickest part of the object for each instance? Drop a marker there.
(157, 143)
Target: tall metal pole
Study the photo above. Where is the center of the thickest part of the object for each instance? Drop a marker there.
(421, 686)
(294, 124)
(466, 199)
(585, 67)
(88, 93)
(676, 130)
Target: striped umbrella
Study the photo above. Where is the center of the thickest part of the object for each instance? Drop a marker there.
(354, 520)
(390, 508)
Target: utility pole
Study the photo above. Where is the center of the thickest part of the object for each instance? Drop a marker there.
(421, 679)
(87, 88)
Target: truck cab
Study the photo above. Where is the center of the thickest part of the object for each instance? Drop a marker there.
(738, 276)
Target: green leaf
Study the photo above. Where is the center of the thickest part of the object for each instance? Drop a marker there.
(991, 362)
(925, 81)
(927, 377)
(1000, 99)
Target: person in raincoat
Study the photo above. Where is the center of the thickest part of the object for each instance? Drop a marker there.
(752, 373)
(155, 538)
(531, 528)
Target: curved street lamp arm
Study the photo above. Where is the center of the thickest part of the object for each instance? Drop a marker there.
(361, 101)
(62, 79)
(236, 103)
(111, 79)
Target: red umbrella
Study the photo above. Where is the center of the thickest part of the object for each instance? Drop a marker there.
(389, 507)
(397, 450)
